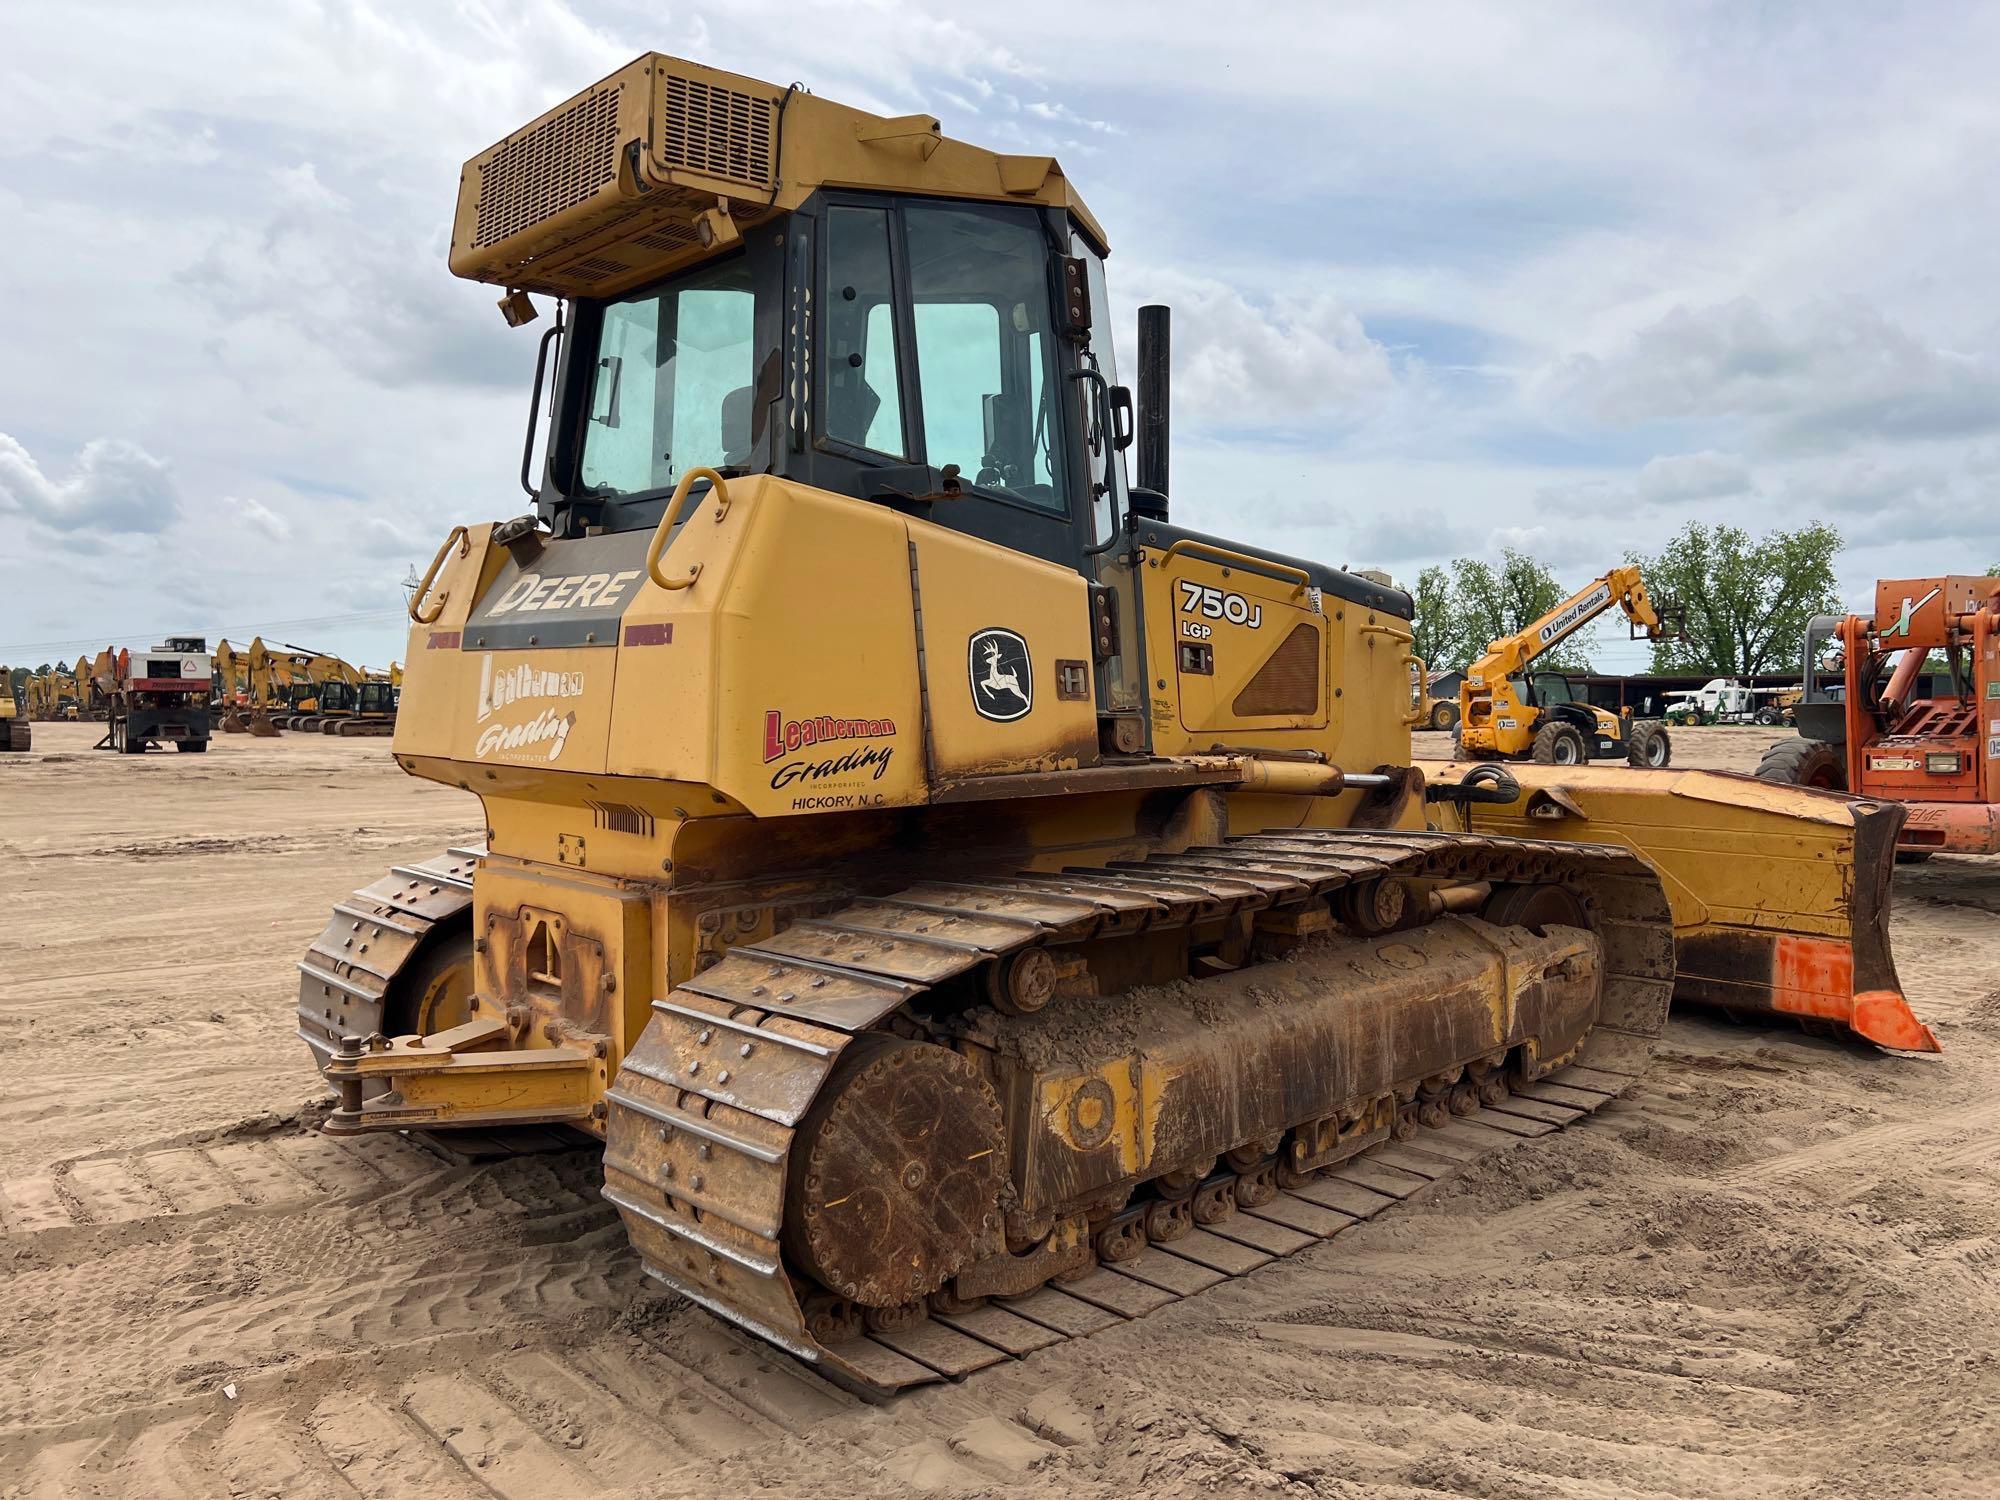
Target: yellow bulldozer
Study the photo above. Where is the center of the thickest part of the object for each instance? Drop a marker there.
(15, 733)
(961, 899)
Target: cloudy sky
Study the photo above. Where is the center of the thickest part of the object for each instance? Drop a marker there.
(1446, 276)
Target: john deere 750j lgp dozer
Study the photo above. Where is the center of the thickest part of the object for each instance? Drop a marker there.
(930, 872)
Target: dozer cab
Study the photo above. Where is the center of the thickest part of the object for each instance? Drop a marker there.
(1910, 713)
(958, 896)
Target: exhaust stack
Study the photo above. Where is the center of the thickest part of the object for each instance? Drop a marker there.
(1149, 495)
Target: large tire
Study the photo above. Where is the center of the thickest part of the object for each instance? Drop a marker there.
(1769, 717)
(1560, 744)
(1647, 745)
(1802, 762)
(1444, 716)
(191, 747)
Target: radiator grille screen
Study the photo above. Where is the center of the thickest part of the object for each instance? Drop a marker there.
(547, 170)
(717, 131)
(1289, 682)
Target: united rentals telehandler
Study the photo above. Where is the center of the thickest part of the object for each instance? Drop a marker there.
(1506, 712)
(961, 899)
(1873, 731)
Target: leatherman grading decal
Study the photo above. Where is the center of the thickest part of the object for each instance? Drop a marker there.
(543, 734)
(783, 736)
(1002, 677)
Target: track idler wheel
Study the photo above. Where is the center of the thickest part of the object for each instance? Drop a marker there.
(896, 1173)
(1374, 907)
(1022, 983)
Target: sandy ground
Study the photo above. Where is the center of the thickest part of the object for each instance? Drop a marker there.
(1771, 1269)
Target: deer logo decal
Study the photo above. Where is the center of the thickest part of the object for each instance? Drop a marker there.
(1002, 677)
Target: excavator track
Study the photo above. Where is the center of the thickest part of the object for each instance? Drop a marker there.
(707, 1105)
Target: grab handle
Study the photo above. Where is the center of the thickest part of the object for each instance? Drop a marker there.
(458, 539)
(1188, 546)
(670, 517)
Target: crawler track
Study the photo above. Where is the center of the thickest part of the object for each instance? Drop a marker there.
(370, 936)
(697, 1162)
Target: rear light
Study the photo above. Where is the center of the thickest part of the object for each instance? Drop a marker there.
(1943, 762)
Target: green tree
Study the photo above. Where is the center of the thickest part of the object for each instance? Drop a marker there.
(1488, 603)
(1432, 625)
(1747, 603)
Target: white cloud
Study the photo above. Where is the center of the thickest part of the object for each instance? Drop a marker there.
(259, 517)
(1271, 362)
(387, 536)
(114, 487)
(1824, 374)
(1707, 475)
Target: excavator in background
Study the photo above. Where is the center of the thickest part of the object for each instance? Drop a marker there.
(364, 707)
(249, 687)
(1507, 712)
(91, 702)
(961, 899)
(320, 684)
(1869, 726)
(14, 731)
(55, 695)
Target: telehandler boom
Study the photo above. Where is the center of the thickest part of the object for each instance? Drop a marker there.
(958, 896)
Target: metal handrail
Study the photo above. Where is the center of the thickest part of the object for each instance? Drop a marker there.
(670, 517)
(458, 537)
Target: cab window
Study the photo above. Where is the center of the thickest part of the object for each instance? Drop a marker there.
(671, 382)
(979, 287)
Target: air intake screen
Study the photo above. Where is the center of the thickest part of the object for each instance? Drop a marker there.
(553, 167)
(1286, 684)
(717, 131)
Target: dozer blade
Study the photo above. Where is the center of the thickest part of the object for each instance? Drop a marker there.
(1780, 894)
